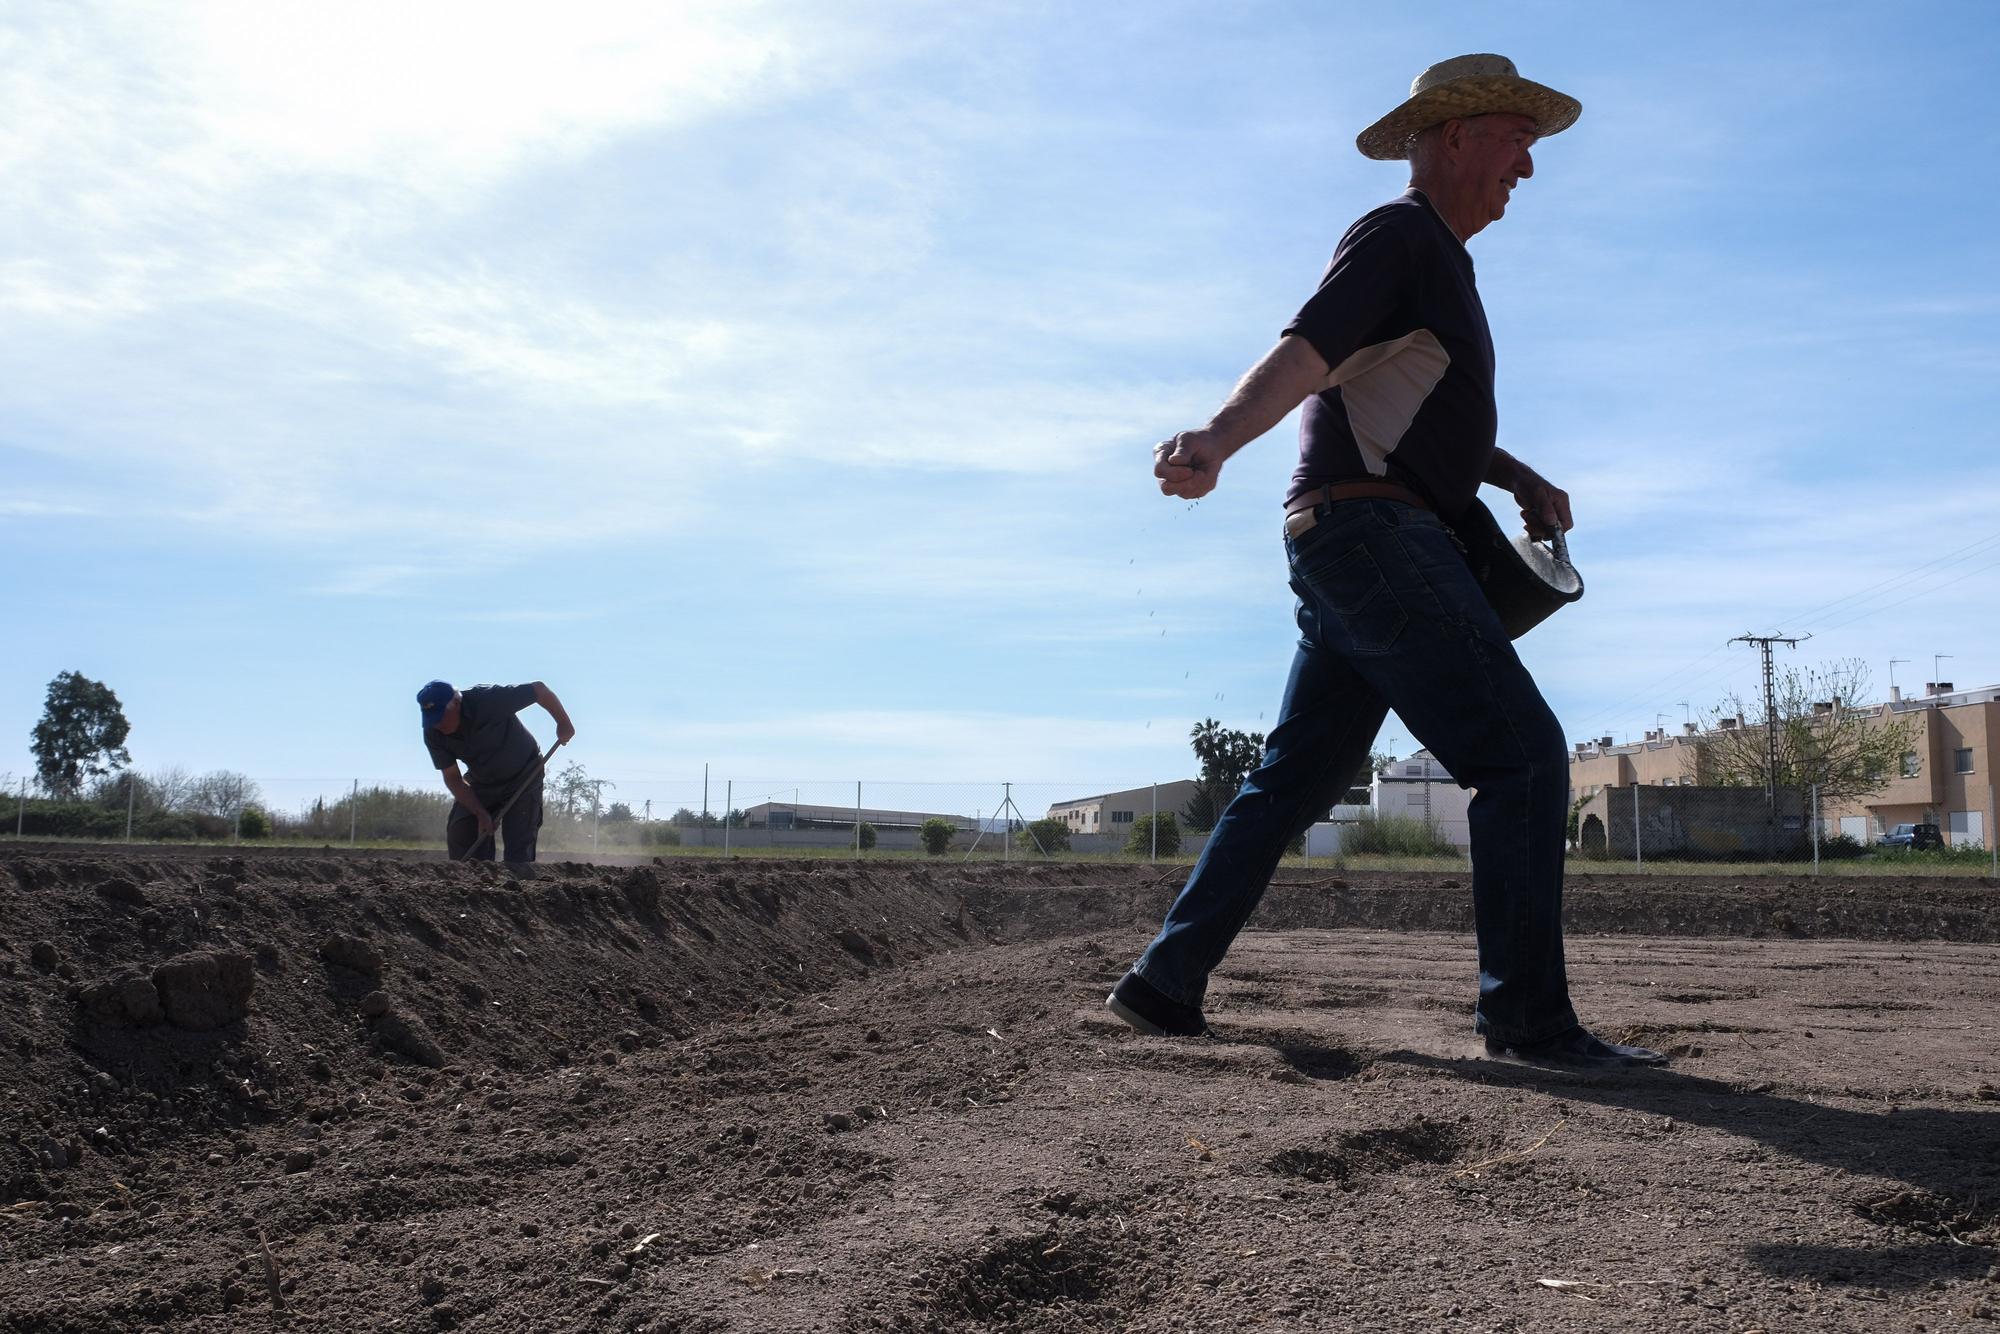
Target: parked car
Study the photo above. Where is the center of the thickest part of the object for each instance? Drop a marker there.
(1914, 836)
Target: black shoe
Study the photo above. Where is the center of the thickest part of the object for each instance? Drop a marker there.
(1578, 1049)
(1140, 1004)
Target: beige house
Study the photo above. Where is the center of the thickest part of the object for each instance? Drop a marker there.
(1116, 812)
(1947, 776)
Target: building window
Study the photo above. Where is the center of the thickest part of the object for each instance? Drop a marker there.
(1961, 760)
(1912, 766)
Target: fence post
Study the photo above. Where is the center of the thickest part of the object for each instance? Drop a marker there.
(1815, 827)
(21, 809)
(353, 805)
(131, 793)
(1007, 823)
(1155, 826)
(857, 820)
(1638, 852)
(728, 805)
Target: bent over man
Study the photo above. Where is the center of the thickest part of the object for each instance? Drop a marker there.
(477, 727)
(1394, 363)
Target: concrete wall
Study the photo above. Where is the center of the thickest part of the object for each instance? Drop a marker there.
(1685, 823)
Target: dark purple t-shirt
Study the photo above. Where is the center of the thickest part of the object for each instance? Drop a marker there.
(495, 747)
(1410, 399)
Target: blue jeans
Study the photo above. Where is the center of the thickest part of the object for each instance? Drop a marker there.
(1391, 617)
(520, 829)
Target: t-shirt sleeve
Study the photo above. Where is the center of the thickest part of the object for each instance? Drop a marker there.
(440, 757)
(1364, 284)
(514, 698)
(511, 698)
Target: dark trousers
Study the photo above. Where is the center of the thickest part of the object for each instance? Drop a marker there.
(1390, 617)
(519, 829)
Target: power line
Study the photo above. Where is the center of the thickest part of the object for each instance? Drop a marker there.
(1847, 610)
(1864, 594)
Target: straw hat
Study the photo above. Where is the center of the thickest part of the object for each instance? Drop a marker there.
(1466, 86)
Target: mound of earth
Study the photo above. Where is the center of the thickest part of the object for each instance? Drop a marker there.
(772, 1095)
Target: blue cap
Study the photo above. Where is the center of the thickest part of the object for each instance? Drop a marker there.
(432, 699)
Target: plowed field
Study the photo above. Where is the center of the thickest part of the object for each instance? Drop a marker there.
(317, 1092)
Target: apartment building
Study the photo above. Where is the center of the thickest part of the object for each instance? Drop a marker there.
(1946, 776)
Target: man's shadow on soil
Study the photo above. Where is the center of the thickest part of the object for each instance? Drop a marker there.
(1947, 1159)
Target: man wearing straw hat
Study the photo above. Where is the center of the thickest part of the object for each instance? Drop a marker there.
(1394, 363)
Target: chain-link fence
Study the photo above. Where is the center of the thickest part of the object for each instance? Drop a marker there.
(1641, 827)
(585, 814)
(1670, 826)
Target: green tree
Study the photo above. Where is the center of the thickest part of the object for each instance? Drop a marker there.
(936, 835)
(255, 822)
(1823, 740)
(221, 793)
(81, 735)
(1227, 756)
(573, 793)
(1140, 844)
(1044, 835)
(618, 813)
(865, 836)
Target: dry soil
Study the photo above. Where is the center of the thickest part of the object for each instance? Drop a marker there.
(316, 1092)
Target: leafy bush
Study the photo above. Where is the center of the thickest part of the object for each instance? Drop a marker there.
(168, 826)
(936, 835)
(254, 823)
(865, 836)
(1044, 835)
(1395, 836)
(1841, 846)
(1140, 842)
(83, 819)
(1962, 853)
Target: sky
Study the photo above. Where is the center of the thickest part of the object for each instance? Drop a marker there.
(778, 382)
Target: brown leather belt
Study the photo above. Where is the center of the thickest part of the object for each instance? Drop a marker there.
(1302, 514)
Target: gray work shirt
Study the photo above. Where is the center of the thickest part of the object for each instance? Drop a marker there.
(495, 747)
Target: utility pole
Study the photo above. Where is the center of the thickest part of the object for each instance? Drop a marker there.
(1770, 714)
